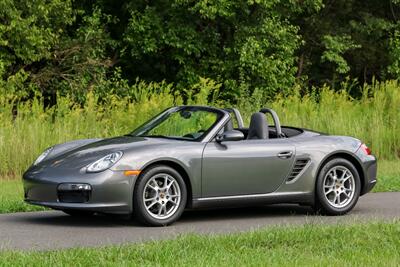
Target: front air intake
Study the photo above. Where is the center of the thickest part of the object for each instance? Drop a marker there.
(74, 193)
(298, 167)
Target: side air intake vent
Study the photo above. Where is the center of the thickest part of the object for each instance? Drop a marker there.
(298, 167)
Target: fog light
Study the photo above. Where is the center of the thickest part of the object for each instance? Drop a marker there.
(74, 187)
(74, 193)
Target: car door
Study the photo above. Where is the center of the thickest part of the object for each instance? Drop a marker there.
(245, 167)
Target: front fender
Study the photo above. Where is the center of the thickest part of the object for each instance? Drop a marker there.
(186, 155)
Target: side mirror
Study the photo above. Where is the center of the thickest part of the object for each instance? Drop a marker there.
(232, 135)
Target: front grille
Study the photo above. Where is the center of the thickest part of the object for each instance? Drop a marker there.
(298, 167)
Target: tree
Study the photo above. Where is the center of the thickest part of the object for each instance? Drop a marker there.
(28, 32)
(347, 39)
(262, 46)
(245, 45)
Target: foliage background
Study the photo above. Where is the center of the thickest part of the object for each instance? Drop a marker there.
(269, 46)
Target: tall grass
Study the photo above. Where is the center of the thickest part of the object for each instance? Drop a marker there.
(24, 136)
(375, 120)
(27, 128)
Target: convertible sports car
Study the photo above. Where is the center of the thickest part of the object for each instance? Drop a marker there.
(195, 156)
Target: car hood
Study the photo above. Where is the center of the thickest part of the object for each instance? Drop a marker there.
(82, 156)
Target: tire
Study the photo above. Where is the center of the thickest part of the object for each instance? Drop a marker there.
(337, 194)
(79, 213)
(158, 187)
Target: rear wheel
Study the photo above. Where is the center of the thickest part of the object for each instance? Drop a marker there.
(338, 187)
(160, 196)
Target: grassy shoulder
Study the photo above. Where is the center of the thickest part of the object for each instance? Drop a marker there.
(12, 197)
(388, 176)
(372, 244)
(11, 191)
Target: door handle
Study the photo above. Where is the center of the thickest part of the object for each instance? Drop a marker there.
(285, 154)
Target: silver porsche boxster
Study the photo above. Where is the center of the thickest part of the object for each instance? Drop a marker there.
(189, 157)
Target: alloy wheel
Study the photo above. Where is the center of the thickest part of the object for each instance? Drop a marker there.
(339, 186)
(161, 196)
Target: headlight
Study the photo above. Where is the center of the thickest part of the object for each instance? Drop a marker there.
(105, 162)
(43, 156)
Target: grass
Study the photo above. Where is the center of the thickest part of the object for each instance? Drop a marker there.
(11, 191)
(12, 196)
(388, 176)
(372, 244)
(27, 128)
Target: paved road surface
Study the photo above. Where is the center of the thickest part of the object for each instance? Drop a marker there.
(54, 230)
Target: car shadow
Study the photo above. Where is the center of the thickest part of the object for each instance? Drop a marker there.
(61, 219)
(253, 212)
(189, 216)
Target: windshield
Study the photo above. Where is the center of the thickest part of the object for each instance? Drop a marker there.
(186, 123)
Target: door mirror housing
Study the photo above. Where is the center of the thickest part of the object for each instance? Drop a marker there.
(231, 135)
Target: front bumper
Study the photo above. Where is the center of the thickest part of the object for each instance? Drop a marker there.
(111, 191)
(116, 208)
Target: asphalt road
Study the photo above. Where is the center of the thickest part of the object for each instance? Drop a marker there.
(55, 230)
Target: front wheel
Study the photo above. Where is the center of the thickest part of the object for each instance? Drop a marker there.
(338, 187)
(160, 196)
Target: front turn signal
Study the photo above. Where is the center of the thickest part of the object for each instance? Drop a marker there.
(131, 173)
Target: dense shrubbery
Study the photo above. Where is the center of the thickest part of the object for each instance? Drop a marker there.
(74, 47)
(28, 127)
